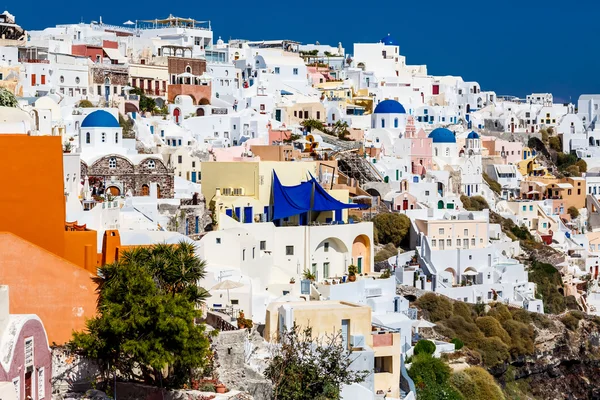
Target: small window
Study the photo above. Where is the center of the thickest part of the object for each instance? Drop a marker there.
(151, 164)
(441, 231)
(62, 79)
(472, 242)
(277, 70)
(41, 382)
(326, 247)
(295, 71)
(448, 242)
(253, 253)
(193, 164)
(103, 137)
(427, 193)
(112, 163)
(244, 255)
(88, 138)
(470, 257)
(458, 242)
(116, 137)
(433, 243)
(263, 245)
(218, 240)
(180, 159)
(289, 250)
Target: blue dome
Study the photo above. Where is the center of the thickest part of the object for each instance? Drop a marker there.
(389, 41)
(442, 135)
(100, 119)
(473, 135)
(389, 107)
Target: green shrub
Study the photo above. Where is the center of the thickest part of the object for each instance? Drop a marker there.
(548, 281)
(494, 185)
(85, 104)
(437, 307)
(388, 251)
(468, 332)
(555, 143)
(424, 347)
(464, 384)
(474, 203)
(207, 387)
(573, 212)
(458, 344)
(493, 351)
(500, 312)
(541, 321)
(486, 387)
(571, 320)
(391, 228)
(491, 327)
(464, 310)
(521, 315)
(582, 165)
(522, 337)
(432, 378)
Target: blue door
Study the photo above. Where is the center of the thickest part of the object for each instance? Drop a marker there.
(238, 214)
(278, 115)
(266, 211)
(345, 332)
(152, 129)
(106, 92)
(187, 226)
(247, 215)
(194, 177)
(229, 212)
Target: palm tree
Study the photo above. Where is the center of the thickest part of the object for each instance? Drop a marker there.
(327, 54)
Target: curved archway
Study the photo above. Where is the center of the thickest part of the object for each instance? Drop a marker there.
(452, 272)
(204, 101)
(373, 192)
(328, 258)
(113, 190)
(131, 108)
(361, 253)
(200, 112)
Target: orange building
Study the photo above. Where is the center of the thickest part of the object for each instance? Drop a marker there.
(48, 268)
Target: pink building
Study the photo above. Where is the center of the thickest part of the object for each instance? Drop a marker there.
(421, 147)
(511, 151)
(26, 358)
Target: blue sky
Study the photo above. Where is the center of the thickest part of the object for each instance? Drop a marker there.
(512, 47)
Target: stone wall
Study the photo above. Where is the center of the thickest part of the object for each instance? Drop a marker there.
(128, 176)
(239, 357)
(118, 75)
(178, 65)
(71, 373)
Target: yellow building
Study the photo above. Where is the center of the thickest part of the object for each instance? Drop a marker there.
(455, 234)
(530, 167)
(233, 187)
(357, 333)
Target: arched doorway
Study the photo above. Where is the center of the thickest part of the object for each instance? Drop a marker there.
(106, 88)
(204, 101)
(468, 108)
(452, 272)
(440, 205)
(361, 253)
(176, 114)
(328, 258)
(145, 190)
(131, 108)
(200, 112)
(113, 190)
(158, 191)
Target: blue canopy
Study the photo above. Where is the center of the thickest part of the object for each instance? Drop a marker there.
(307, 196)
(290, 200)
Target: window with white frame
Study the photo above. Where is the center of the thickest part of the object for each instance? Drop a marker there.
(151, 164)
(295, 71)
(112, 163)
(289, 250)
(41, 383)
(29, 352)
(441, 231)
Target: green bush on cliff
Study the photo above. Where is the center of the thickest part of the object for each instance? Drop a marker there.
(464, 310)
(437, 307)
(493, 351)
(476, 383)
(548, 281)
(491, 327)
(432, 379)
(521, 337)
(571, 320)
(424, 347)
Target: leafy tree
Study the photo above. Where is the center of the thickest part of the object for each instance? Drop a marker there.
(306, 367)
(391, 228)
(555, 143)
(424, 347)
(7, 98)
(458, 344)
(432, 378)
(474, 203)
(85, 104)
(146, 103)
(548, 282)
(147, 308)
(311, 124)
(475, 383)
(573, 212)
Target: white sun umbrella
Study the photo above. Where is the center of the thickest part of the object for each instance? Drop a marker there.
(227, 285)
(186, 75)
(469, 273)
(421, 323)
(86, 187)
(129, 22)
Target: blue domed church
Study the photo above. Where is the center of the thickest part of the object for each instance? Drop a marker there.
(389, 114)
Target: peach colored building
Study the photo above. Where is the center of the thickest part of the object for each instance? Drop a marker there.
(455, 234)
(512, 152)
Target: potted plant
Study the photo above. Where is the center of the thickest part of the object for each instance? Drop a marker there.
(220, 388)
(309, 275)
(67, 147)
(352, 270)
(292, 280)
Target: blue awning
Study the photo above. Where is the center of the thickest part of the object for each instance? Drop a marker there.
(299, 199)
